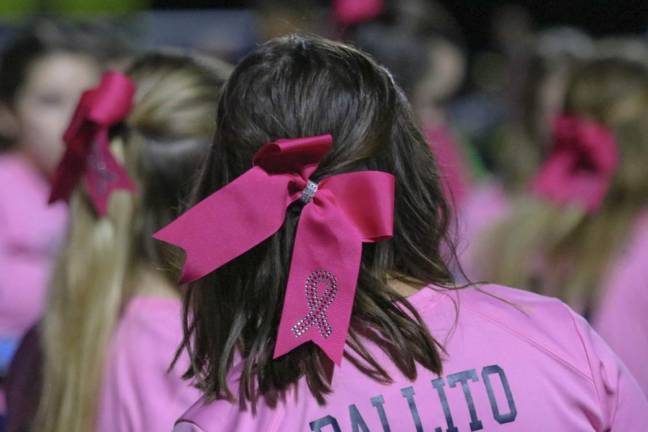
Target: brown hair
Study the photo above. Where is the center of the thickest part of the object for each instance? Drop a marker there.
(294, 87)
(564, 251)
(162, 143)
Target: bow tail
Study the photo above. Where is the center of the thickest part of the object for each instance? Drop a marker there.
(321, 283)
(104, 174)
(73, 162)
(66, 177)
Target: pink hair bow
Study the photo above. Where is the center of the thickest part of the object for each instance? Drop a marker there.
(339, 214)
(349, 12)
(88, 152)
(581, 165)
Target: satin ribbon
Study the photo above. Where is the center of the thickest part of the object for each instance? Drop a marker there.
(581, 165)
(87, 154)
(340, 213)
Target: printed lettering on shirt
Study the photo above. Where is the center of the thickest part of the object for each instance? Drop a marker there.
(491, 381)
(463, 377)
(378, 402)
(487, 372)
(357, 422)
(322, 423)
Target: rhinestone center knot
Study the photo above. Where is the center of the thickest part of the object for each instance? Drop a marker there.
(309, 192)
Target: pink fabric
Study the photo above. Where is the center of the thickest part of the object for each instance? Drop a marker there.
(138, 394)
(30, 233)
(88, 154)
(343, 212)
(622, 316)
(535, 366)
(455, 173)
(581, 165)
(356, 11)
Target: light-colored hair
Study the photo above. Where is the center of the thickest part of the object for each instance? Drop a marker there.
(564, 251)
(166, 136)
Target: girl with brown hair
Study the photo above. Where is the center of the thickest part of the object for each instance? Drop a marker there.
(319, 297)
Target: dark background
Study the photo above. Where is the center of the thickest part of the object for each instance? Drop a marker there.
(596, 17)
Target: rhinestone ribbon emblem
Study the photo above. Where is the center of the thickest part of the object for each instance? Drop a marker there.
(318, 301)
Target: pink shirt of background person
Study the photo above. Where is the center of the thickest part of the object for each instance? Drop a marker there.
(622, 316)
(484, 207)
(454, 171)
(535, 366)
(30, 233)
(138, 393)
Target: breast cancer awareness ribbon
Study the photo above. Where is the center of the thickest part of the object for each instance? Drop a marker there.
(339, 214)
(581, 165)
(87, 154)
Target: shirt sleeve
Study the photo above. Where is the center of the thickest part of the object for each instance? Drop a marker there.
(623, 404)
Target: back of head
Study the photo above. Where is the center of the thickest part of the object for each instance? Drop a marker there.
(167, 137)
(161, 144)
(295, 87)
(557, 249)
(614, 93)
(537, 76)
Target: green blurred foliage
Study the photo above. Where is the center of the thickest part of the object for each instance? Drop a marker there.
(20, 8)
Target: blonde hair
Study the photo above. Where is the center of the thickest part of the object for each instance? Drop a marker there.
(166, 136)
(564, 251)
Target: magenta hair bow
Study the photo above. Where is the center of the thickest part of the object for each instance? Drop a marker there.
(581, 165)
(88, 152)
(348, 12)
(339, 214)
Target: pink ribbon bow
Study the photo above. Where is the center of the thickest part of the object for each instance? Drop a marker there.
(581, 165)
(339, 214)
(348, 12)
(88, 149)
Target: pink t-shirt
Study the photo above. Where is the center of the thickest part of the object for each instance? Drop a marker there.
(30, 233)
(138, 393)
(622, 316)
(535, 366)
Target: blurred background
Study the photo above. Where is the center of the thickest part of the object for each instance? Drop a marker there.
(495, 62)
(486, 78)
